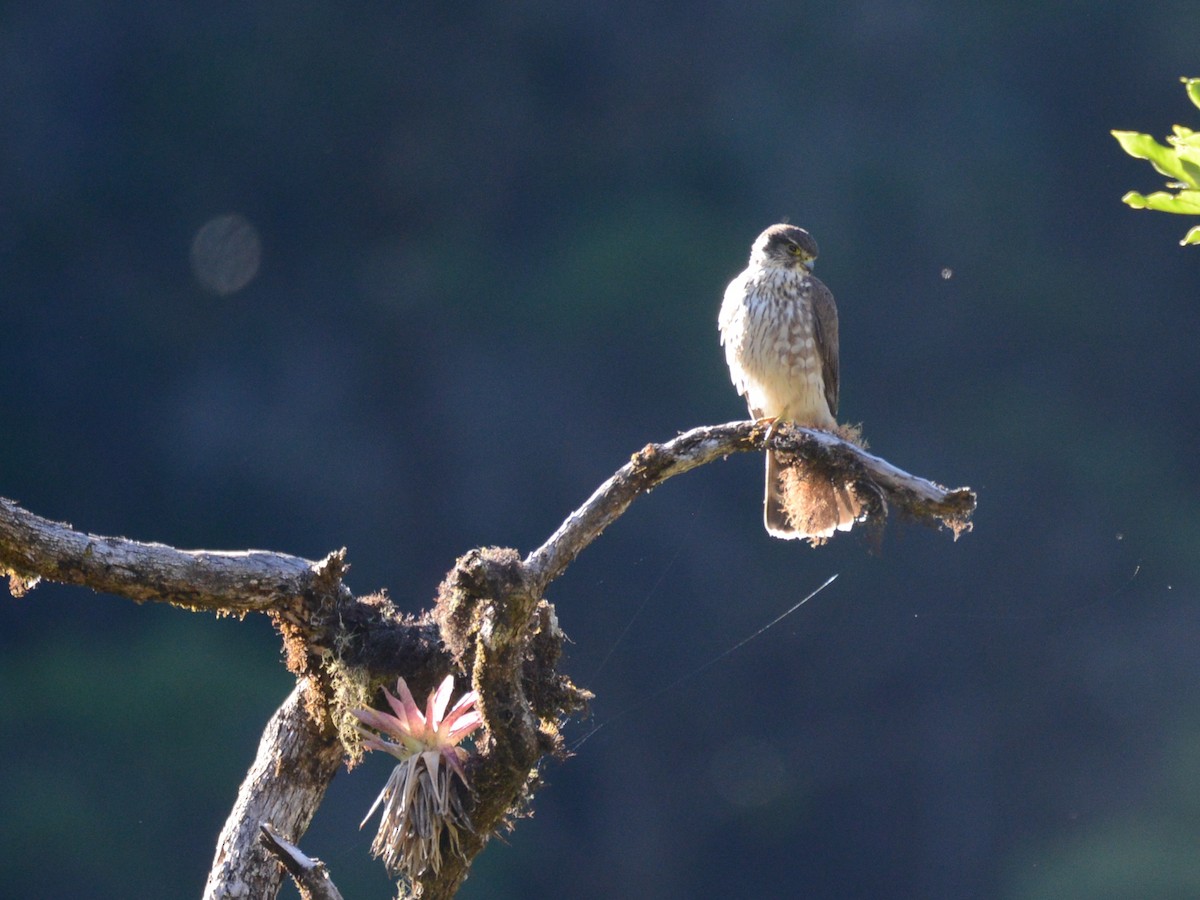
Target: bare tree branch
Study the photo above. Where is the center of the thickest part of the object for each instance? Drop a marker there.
(311, 875)
(243, 581)
(32, 547)
(491, 623)
(650, 466)
(296, 760)
(655, 463)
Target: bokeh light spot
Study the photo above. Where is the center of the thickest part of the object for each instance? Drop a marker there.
(226, 253)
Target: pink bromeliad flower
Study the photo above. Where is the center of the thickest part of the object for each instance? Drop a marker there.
(419, 800)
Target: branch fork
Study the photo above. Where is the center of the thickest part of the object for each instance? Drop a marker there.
(491, 622)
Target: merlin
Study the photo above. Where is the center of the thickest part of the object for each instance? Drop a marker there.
(779, 326)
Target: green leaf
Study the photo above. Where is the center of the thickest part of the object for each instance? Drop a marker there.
(1189, 159)
(1134, 199)
(1185, 202)
(1179, 160)
(1163, 158)
(1135, 143)
(1193, 90)
(1191, 142)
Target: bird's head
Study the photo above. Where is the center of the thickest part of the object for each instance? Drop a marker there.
(785, 245)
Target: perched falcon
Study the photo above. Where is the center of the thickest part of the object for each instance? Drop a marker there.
(780, 330)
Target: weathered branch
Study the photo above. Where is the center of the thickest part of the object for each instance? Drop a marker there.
(297, 757)
(491, 622)
(311, 875)
(655, 463)
(32, 547)
(507, 637)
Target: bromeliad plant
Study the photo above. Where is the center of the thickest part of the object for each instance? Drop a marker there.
(420, 801)
(1178, 159)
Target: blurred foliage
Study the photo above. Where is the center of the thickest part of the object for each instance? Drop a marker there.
(1145, 850)
(1178, 159)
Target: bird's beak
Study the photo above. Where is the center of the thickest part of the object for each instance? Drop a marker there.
(808, 265)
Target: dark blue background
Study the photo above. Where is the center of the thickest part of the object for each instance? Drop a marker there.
(494, 240)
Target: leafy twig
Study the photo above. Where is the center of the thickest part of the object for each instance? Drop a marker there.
(1178, 159)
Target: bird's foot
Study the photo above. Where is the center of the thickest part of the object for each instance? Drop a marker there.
(772, 423)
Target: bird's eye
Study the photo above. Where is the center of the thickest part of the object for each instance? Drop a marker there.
(794, 249)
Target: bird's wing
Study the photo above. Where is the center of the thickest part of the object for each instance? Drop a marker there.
(825, 327)
(731, 322)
